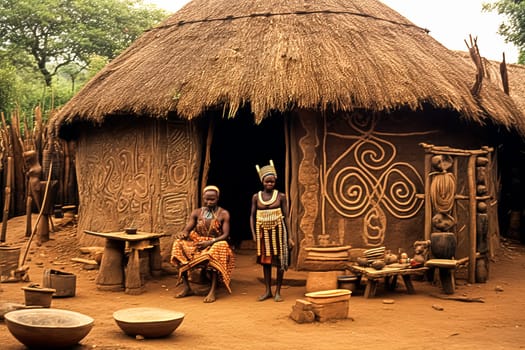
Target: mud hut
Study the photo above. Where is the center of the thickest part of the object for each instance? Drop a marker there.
(340, 94)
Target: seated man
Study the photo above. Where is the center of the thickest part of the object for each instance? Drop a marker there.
(204, 241)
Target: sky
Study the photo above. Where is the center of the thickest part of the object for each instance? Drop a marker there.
(450, 22)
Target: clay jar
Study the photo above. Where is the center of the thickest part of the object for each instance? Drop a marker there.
(390, 258)
(443, 245)
(378, 264)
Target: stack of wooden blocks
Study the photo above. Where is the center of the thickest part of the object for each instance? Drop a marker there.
(302, 312)
(322, 307)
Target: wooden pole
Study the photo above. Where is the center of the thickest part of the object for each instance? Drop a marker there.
(207, 156)
(22, 262)
(7, 198)
(428, 204)
(472, 218)
(29, 209)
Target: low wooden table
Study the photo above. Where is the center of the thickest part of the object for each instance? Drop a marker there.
(389, 274)
(117, 273)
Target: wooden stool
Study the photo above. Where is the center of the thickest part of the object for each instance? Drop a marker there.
(447, 268)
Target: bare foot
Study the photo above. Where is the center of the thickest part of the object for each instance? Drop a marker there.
(186, 292)
(210, 298)
(264, 296)
(278, 298)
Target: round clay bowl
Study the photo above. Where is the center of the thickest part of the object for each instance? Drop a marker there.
(130, 230)
(48, 328)
(149, 322)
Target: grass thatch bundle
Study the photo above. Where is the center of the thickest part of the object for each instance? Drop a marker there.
(279, 55)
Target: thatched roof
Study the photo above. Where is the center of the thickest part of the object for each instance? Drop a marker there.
(516, 78)
(517, 85)
(493, 74)
(278, 55)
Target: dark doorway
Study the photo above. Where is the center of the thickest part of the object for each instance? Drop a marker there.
(238, 145)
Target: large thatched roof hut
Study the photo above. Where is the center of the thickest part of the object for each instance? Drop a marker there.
(336, 92)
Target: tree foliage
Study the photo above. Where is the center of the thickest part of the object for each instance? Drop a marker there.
(512, 30)
(7, 86)
(59, 33)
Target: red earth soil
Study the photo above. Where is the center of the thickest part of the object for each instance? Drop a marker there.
(237, 321)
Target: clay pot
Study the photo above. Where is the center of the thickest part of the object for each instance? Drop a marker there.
(390, 258)
(443, 245)
(36, 296)
(130, 230)
(362, 261)
(378, 264)
(64, 282)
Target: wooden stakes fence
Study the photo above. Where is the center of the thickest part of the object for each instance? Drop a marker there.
(18, 135)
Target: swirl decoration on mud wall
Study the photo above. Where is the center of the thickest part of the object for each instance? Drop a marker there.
(365, 180)
(124, 182)
(121, 183)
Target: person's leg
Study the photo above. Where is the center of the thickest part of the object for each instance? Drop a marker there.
(186, 290)
(267, 271)
(210, 298)
(280, 276)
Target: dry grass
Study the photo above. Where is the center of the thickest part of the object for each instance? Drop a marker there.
(279, 55)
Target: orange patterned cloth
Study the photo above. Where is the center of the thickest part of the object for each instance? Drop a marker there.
(218, 256)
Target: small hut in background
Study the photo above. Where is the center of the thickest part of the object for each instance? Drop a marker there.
(347, 97)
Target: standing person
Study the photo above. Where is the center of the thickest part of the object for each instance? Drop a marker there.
(203, 241)
(268, 225)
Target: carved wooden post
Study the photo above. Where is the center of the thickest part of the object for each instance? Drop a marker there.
(472, 218)
(482, 221)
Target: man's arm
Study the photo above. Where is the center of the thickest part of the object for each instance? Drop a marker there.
(190, 224)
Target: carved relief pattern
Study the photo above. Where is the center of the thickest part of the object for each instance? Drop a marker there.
(177, 181)
(365, 180)
(308, 176)
(141, 176)
(114, 181)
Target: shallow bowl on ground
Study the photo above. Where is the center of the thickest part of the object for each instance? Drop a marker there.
(149, 322)
(48, 328)
(328, 296)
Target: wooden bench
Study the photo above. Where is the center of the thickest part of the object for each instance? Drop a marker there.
(389, 274)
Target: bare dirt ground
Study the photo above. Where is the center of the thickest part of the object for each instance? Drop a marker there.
(238, 321)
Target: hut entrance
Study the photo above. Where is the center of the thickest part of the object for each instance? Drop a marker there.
(238, 145)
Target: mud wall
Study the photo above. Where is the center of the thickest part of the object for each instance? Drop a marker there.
(142, 173)
(361, 176)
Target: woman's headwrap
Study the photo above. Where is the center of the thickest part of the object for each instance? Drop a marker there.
(211, 188)
(266, 170)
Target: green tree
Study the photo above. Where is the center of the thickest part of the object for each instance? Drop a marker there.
(59, 33)
(512, 30)
(7, 86)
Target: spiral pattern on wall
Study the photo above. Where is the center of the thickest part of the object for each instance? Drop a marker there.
(367, 181)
